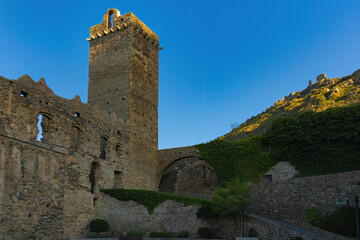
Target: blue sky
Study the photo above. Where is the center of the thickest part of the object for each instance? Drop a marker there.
(223, 61)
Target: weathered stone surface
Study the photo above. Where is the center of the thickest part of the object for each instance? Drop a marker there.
(288, 200)
(168, 216)
(190, 177)
(281, 171)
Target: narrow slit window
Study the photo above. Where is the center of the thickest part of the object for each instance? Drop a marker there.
(93, 170)
(103, 146)
(75, 138)
(118, 150)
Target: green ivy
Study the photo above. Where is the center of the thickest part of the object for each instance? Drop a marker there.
(315, 143)
(244, 159)
(318, 143)
(150, 199)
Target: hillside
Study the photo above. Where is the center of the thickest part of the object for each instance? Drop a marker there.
(325, 93)
(315, 143)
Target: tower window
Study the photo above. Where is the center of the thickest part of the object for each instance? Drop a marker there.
(110, 18)
(118, 150)
(93, 172)
(103, 146)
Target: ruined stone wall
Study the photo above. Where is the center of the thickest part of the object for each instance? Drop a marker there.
(51, 186)
(288, 200)
(123, 79)
(168, 216)
(32, 183)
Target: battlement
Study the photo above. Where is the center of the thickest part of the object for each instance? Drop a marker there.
(121, 23)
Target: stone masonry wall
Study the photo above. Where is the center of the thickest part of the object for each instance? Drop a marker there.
(288, 200)
(168, 216)
(190, 177)
(166, 157)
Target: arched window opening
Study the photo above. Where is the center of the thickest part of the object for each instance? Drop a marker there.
(110, 19)
(43, 128)
(75, 138)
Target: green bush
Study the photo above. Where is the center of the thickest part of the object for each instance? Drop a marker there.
(99, 225)
(313, 216)
(205, 211)
(205, 233)
(150, 199)
(136, 233)
(182, 234)
(161, 234)
(341, 221)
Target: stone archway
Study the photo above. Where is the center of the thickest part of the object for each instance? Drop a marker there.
(189, 176)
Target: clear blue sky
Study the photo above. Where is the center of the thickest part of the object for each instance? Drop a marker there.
(223, 61)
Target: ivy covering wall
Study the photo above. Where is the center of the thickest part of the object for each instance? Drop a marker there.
(150, 199)
(315, 143)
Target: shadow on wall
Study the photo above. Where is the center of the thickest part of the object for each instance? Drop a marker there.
(191, 177)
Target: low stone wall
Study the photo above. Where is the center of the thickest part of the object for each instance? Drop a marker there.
(168, 216)
(288, 200)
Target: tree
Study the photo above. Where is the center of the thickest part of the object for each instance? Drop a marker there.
(235, 199)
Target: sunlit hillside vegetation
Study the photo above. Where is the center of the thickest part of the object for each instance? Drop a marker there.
(314, 143)
(324, 94)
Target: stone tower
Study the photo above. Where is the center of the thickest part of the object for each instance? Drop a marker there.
(123, 80)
